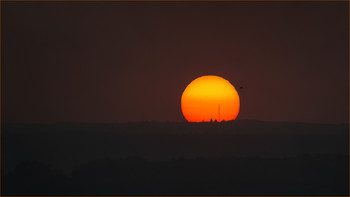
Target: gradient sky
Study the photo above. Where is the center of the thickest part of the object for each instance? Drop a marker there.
(131, 61)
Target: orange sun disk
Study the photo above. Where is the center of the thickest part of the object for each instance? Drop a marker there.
(210, 98)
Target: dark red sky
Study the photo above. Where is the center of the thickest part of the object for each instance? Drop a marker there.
(120, 62)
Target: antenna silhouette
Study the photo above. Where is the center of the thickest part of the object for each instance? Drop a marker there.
(219, 113)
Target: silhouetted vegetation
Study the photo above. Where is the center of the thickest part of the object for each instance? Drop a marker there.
(231, 158)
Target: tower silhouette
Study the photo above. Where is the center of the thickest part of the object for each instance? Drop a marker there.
(219, 114)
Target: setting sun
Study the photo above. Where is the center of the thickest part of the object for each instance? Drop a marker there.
(210, 98)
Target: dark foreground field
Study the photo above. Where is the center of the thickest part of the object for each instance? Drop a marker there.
(232, 158)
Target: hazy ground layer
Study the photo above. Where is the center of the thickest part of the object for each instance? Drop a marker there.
(67, 145)
(231, 158)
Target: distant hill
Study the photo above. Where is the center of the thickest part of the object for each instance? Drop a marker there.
(68, 144)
